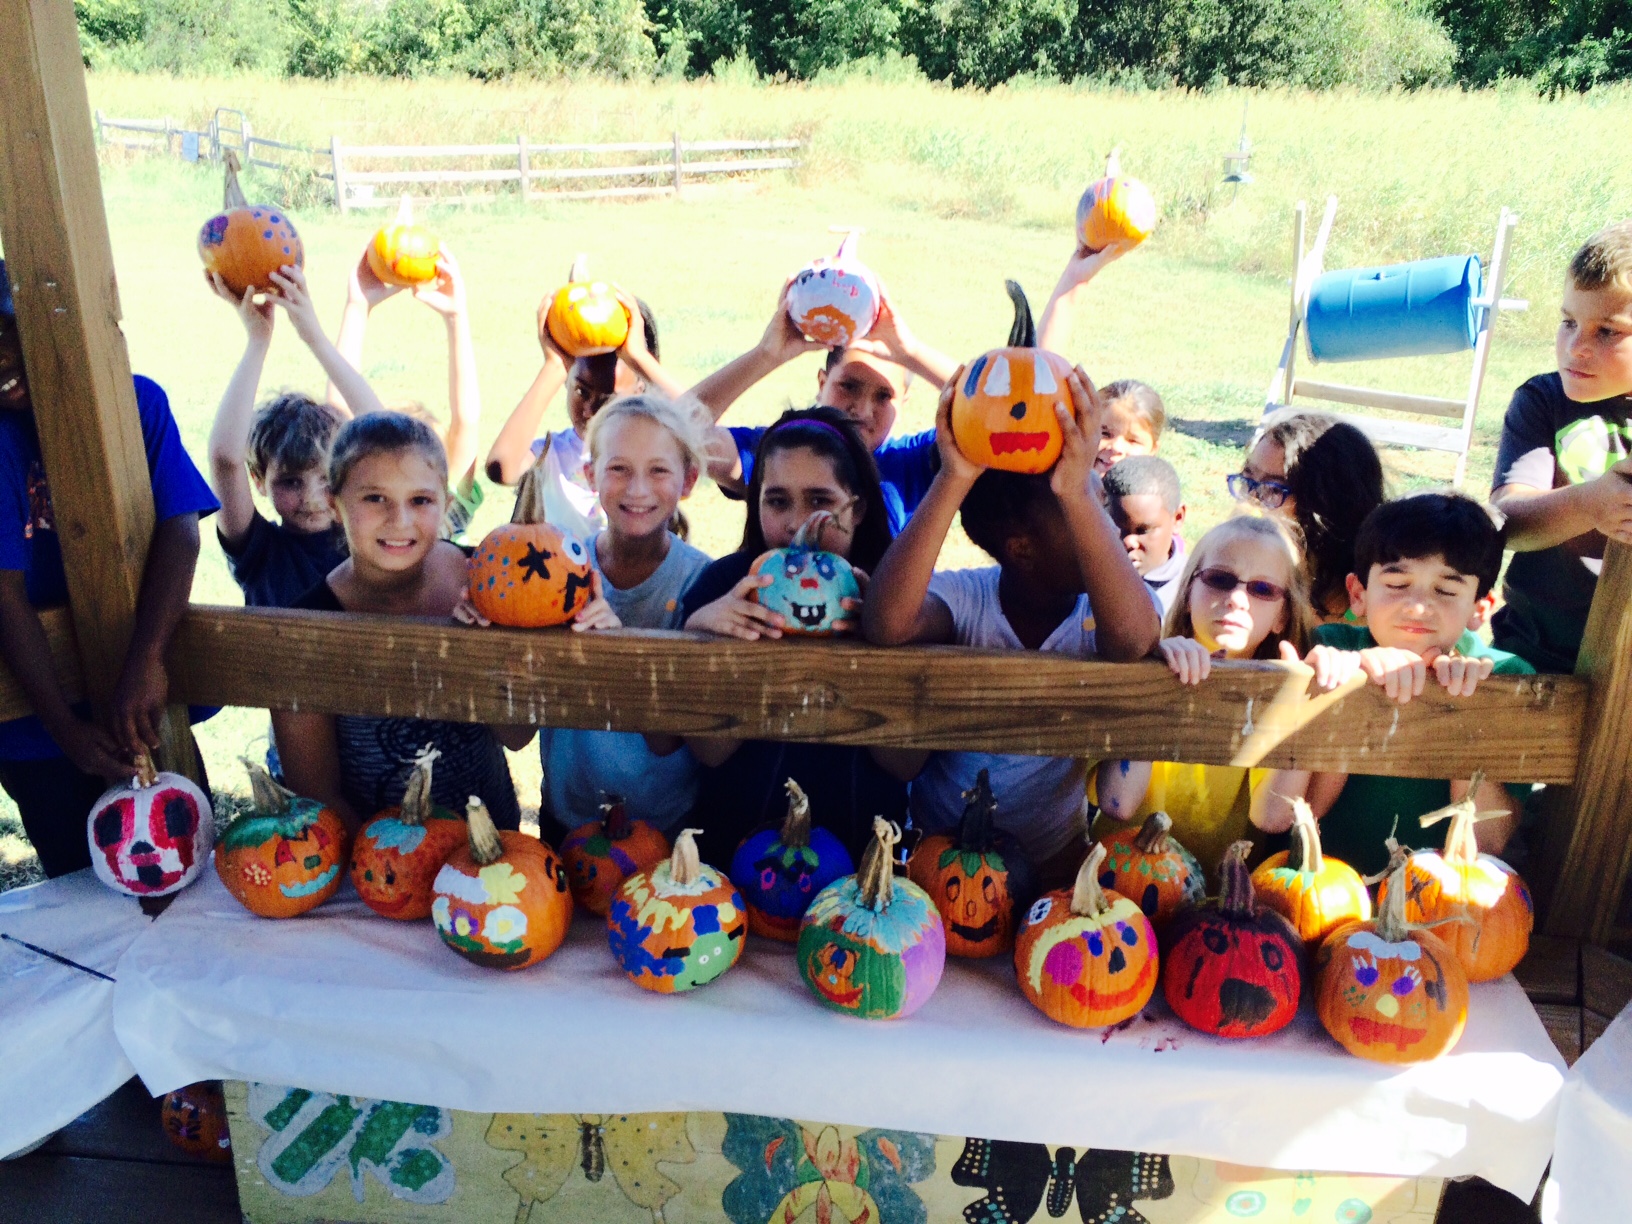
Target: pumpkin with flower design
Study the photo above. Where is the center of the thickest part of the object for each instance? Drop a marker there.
(501, 900)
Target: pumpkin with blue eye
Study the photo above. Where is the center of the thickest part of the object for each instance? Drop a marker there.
(808, 586)
(527, 573)
(835, 301)
(1003, 411)
(780, 870)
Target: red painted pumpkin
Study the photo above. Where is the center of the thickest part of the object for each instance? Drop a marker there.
(585, 317)
(1315, 893)
(528, 574)
(678, 926)
(780, 870)
(1003, 411)
(1087, 957)
(1230, 967)
(195, 1120)
(286, 857)
(150, 836)
(399, 852)
(1461, 883)
(245, 243)
(1146, 863)
(403, 253)
(808, 586)
(604, 853)
(501, 899)
(1115, 209)
(977, 879)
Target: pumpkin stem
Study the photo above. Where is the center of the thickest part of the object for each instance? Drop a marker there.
(1236, 897)
(269, 798)
(615, 817)
(979, 815)
(1024, 332)
(1152, 835)
(685, 864)
(579, 270)
(405, 210)
(847, 247)
(1113, 162)
(1304, 854)
(1087, 897)
(233, 195)
(416, 796)
(530, 495)
(796, 824)
(485, 846)
(876, 879)
(809, 535)
(1461, 845)
(146, 775)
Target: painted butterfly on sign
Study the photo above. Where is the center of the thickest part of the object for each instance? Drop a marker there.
(1016, 1177)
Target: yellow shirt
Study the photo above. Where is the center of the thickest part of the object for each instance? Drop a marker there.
(1209, 805)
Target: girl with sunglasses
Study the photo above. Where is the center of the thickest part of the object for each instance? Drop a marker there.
(1244, 595)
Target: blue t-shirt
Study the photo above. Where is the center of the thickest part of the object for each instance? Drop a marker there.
(28, 533)
(906, 466)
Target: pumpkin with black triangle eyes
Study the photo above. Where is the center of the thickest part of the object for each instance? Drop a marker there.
(1147, 863)
(527, 573)
(979, 879)
(1003, 411)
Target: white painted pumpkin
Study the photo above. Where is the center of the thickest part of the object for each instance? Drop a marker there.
(150, 836)
(835, 301)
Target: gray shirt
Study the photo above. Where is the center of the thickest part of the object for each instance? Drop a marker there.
(655, 603)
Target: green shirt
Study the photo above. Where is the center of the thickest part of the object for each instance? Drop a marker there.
(1372, 807)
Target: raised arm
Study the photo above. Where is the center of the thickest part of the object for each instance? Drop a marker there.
(512, 451)
(893, 340)
(364, 291)
(446, 296)
(1059, 316)
(296, 300)
(229, 435)
(640, 359)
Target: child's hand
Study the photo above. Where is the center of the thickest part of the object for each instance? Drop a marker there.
(1073, 471)
(138, 703)
(256, 314)
(446, 294)
(553, 352)
(597, 613)
(1461, 675)
(92, 750)
(782, 341)
(1612, 497)
(366, 289)
(1188, 659)
(1084, 265)
(466, 614)
(890, 338)
(1402, 673)
(852, 605)
(1332, 667)
(735, 615)
(296, 300)
(633, 352)
(954, 463)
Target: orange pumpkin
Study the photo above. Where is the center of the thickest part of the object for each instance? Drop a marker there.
(501, 900)
(1146, 863)
(678, 926)
(399, 852)
(585, 317)
(1115, 209)
(976, 879)
(286, 857)
(195, 1120)
(1459, 882)
(1087, 957)
(403, 253)
(1003, 411)
(604, 853)
(1387, 989)
(1314, 893)
(528, 574)
(245, 243)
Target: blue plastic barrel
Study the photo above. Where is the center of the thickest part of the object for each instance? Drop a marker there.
(1402, 310)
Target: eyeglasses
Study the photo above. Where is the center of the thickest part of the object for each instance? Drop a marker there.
(1270, 494)
(1215, 578)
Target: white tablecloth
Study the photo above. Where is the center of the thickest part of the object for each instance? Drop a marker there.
(345, 1002)
(58, 1054)
(1591, 1181)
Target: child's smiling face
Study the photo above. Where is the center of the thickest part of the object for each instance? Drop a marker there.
(1234, 621)
(641, 474)
(392, 507)
(1594, 343)
(1122, 432)
(1419, 604)
(798, 482)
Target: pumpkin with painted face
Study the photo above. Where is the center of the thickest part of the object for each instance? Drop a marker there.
(402, 253)
(678, 926)
(399, 852)
(1086, 957)
(1231, 967)
(527, 573)
(1146, 863)
(1388, 989)
(585, 317)
(245, 243)
(501, 900)
(1115, 209)
(871, 945)
(808, 586)
(835, 301)
(780, 870)
(286, 857)
(194, 1119)
(150, 836)
(978, 879)
(1315, 893)
(602, 854)
(1003, 412)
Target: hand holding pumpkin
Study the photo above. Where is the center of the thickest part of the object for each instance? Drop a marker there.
(890, 337)
(445, 294)
(954, 463)
(365, 288)
(256, 313)
(735, 615)
(782, 341)
(466, 612)
(597, 613)
(296, 299)
(1079, 432)
(1085, 264)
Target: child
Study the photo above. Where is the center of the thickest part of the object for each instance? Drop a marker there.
(1563, 477)
(1424, 568)
(1324, 474)
(569, 501)
(55, 762)
(388, 483)
(1063, 583)
(809, 460)
(1132, 423)
(1142, 494)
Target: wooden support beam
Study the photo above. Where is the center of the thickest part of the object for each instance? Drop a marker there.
(1517, 728)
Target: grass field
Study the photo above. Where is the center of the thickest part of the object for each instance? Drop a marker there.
(956, 190)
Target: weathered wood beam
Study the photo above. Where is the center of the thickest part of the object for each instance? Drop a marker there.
(1516, 728)
(59, 634)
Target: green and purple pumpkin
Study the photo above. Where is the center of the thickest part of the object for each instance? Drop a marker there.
(780, 870)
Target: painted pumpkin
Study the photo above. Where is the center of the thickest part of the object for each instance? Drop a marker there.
(152, 835)
(779, 870)
(285, 857)
(501, 900)
(1315, 893)
(1003, 410)
(679, 925)
(978, 879)
(526, 573)
(835, 301)
(403, 253)
(1232, 967)
(1084, 956)
(1147, 864)
(810, 586)
(1459, 882)
(871, 945)
(245, 243)
(585, 317)
(194, 1118)
(399, 852)
(1115, 209)
(604, 853)
(1387, 989)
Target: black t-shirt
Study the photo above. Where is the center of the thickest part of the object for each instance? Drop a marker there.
(274, 566)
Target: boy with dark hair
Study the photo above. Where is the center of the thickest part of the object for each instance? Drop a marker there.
(1424, 569)
(1142, 495)
(1563, 476)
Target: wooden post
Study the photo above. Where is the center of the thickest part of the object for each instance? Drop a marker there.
(521, 164)
(340, 200)
(677, 156)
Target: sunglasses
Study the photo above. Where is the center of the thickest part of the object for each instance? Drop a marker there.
(1270, 494)
(1224, 582)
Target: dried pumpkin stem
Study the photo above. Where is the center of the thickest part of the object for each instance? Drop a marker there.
(485, 846)
(232, 195)
(685, 864)
(1152, 835)
(1087, 897)
(876, 879)
(796, 824)
(416, 796)
(146, 775)
(580, 268)
(1304, 853)
(1236, 897)
(1391, 921)
(1461, 844)
(268, 797)
(979, 815)
(530, 495)
(615, 817)
(810, 531)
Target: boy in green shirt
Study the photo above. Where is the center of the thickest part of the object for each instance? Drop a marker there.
(1429, 563)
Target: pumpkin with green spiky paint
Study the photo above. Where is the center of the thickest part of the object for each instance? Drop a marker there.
(399, 852)
(979, 879)
(1146, 864)
(287, 856)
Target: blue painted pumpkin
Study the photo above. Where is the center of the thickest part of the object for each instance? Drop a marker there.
(780, 871)
(810, 585)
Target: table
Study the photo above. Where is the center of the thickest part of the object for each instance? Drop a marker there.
(1591, 1178)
